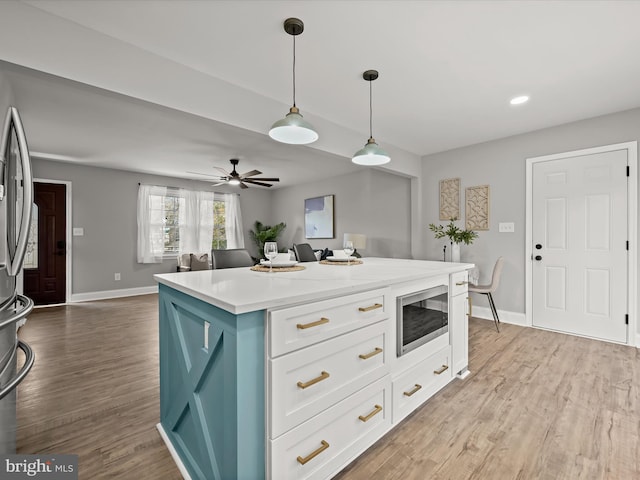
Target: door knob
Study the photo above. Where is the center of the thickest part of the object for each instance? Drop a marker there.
(538, 257)
(538, 246)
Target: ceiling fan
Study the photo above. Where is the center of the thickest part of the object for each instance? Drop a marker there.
(235, 178)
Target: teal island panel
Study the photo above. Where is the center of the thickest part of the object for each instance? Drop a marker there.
(212, 387)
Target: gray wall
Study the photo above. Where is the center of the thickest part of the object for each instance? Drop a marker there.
(371, 202)
(6, 96)
(104, 204)
(501, 164)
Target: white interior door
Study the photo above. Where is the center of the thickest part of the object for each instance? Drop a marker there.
(579, 236)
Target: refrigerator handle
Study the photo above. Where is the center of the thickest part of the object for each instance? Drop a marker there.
(27, 304)
(28, 363)
(15, 263)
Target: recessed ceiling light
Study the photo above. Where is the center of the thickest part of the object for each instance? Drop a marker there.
(519, 100)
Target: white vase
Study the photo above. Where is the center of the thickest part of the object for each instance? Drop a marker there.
(455, 252)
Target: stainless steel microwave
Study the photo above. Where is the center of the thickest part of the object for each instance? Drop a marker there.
(421, 317)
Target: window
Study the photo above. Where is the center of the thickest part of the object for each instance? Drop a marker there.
(219, 221)
(171, 205)
(173, 221)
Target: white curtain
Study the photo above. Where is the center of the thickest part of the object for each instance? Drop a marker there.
(151, 223)
(196, 221)
(233, 221)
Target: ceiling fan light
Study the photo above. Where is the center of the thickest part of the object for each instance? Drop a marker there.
(371, 155)
(234, 181)
(293, 129)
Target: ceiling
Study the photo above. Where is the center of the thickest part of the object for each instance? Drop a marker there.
(447, 72)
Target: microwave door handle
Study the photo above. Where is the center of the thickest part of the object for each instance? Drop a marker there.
(15, 264)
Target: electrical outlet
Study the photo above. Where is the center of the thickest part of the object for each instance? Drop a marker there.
(506, 227)
(117, 277)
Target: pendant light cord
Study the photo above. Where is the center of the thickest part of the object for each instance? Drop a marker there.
(370, 110)
(294, 70)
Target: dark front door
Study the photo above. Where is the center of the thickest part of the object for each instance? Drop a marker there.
(45, 277)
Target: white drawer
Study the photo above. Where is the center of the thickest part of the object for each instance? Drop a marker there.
(296, 327)
(336, 436)
(420, 382)
(306, 382)
(458, 283)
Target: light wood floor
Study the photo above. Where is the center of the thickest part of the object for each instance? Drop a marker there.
(538, 405)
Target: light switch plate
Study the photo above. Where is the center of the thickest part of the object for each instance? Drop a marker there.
(506, 227)
(78, 231)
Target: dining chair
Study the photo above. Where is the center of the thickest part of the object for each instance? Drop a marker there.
(231, 258)
(489, 289)
(304, 252)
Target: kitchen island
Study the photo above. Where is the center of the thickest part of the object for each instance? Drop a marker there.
(293, 374)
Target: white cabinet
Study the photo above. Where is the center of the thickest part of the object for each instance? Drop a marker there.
(322, 446)
(308, 381)
(460, 334)
(328, 384)
(417, 384)
(298, 327)
(335, 384)
(459, 321)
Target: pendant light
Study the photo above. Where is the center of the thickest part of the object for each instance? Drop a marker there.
(371, 154)
(293, 128)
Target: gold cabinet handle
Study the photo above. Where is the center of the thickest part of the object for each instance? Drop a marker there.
(314, 454)
(322, 321)
(376, 410)
(461, 283)
(366, 356)
(370, 307)
(323, 376)
(469, 314)
(441, 370)
(417, 387)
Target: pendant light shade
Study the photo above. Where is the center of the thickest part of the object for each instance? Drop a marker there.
(371, 154)
(293, 129)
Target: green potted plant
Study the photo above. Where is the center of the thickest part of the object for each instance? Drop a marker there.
(262, 233)
(456, 236)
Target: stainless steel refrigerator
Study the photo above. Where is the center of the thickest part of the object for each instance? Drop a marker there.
(16, 200)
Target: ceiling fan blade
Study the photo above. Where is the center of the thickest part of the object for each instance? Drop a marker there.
(242, 185)
(218, 184)
(222, 170)
(251, 173)
(205, 174)
(264, 179)
(253, 182)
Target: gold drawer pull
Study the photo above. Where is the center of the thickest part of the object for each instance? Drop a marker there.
(323, 376)
(376, 411)
(370, 307)
(461, 283)
(366, 356)
(314, 454)
(322, 321)
(441, 370)
(417, 387)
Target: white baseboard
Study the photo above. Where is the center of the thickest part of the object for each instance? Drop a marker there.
(505, 317)
(105, 294)
(172, 451)
(637, 340)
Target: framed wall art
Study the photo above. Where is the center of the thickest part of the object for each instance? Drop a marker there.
(477, 208)
(449, 198)
(318, 217)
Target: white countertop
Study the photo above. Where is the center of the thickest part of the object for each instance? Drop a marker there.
(241, 290)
